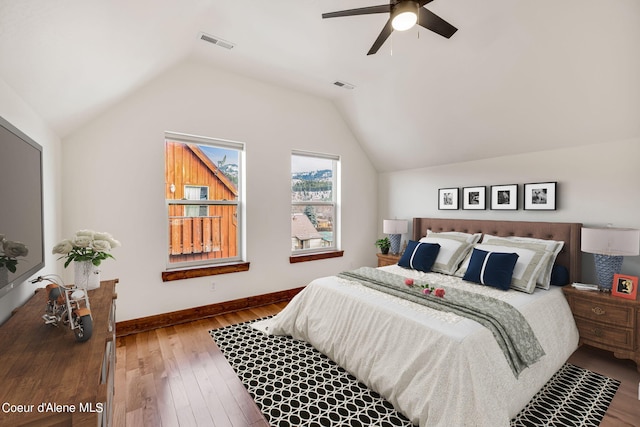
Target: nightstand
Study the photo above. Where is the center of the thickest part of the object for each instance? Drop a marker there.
(387, 259)
(607, 322)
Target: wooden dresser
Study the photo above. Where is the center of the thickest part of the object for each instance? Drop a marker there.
(607, 322)
(48, 378)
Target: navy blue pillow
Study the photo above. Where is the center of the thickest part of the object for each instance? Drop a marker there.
(419, 256)
(491, 268)
(559, 275)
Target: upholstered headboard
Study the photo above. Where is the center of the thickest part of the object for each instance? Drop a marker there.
(570, 256)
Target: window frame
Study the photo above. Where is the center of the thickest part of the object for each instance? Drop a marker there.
(334, 248)
(239, 202)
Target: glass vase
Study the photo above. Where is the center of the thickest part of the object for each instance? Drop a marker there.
(86, 275)
(4, 275)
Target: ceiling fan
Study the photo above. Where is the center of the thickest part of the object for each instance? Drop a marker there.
(403, 14)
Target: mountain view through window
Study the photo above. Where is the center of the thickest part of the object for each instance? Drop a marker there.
(313, 202)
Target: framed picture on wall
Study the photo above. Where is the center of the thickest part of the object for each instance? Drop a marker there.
(474, 198)
(504, 197)
(540, 196)
(625, 286)
(448, 198)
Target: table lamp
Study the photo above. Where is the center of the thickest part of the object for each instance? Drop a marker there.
(609, 245)
(394, 228)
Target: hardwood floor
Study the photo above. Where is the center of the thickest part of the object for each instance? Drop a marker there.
(177, 376)
(625, 407)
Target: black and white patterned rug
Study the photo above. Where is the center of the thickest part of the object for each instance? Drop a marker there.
(295, 385)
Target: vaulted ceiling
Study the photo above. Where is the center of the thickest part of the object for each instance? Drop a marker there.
(518, 76)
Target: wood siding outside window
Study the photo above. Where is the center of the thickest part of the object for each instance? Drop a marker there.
(199, 228)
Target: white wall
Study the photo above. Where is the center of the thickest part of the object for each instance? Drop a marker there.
(15, 111)
(597, 185)
(113, 180)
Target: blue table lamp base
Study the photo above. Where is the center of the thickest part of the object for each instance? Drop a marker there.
(606, 267)
(395, 243)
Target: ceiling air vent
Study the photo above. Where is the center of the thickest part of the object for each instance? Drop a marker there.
(216, 40)
(344, 85)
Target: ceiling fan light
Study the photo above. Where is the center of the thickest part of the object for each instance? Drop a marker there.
(405, 15)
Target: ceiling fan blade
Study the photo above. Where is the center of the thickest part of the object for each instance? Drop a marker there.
(383, 8)
(433, 22)
(424, 2)
(382, 37)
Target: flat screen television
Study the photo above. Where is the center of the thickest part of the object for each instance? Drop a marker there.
(21, 207)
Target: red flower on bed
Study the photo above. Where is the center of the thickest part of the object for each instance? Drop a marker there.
(426, 288)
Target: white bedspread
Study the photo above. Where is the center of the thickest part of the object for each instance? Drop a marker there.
(436, 368)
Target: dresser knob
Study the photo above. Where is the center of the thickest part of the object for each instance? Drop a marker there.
(598, 311)
(597, 332)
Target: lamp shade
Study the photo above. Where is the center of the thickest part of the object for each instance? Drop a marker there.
(404, 15)
(395, 226)
(611, 241)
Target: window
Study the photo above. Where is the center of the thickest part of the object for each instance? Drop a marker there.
(314, 202)
(194, 192)
(204, 198)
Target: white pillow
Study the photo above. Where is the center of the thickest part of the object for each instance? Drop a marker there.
(464, 237)
(530, 264)
(453, 250)
(553, 247)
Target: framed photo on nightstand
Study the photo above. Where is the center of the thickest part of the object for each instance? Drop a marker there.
(625, 286)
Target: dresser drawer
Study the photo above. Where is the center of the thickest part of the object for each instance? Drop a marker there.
(609, 335)
(618, 315)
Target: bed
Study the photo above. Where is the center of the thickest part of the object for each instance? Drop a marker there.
(437, 367)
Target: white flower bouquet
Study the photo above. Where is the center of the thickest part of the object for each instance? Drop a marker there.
(86, 245)
(10, 251)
